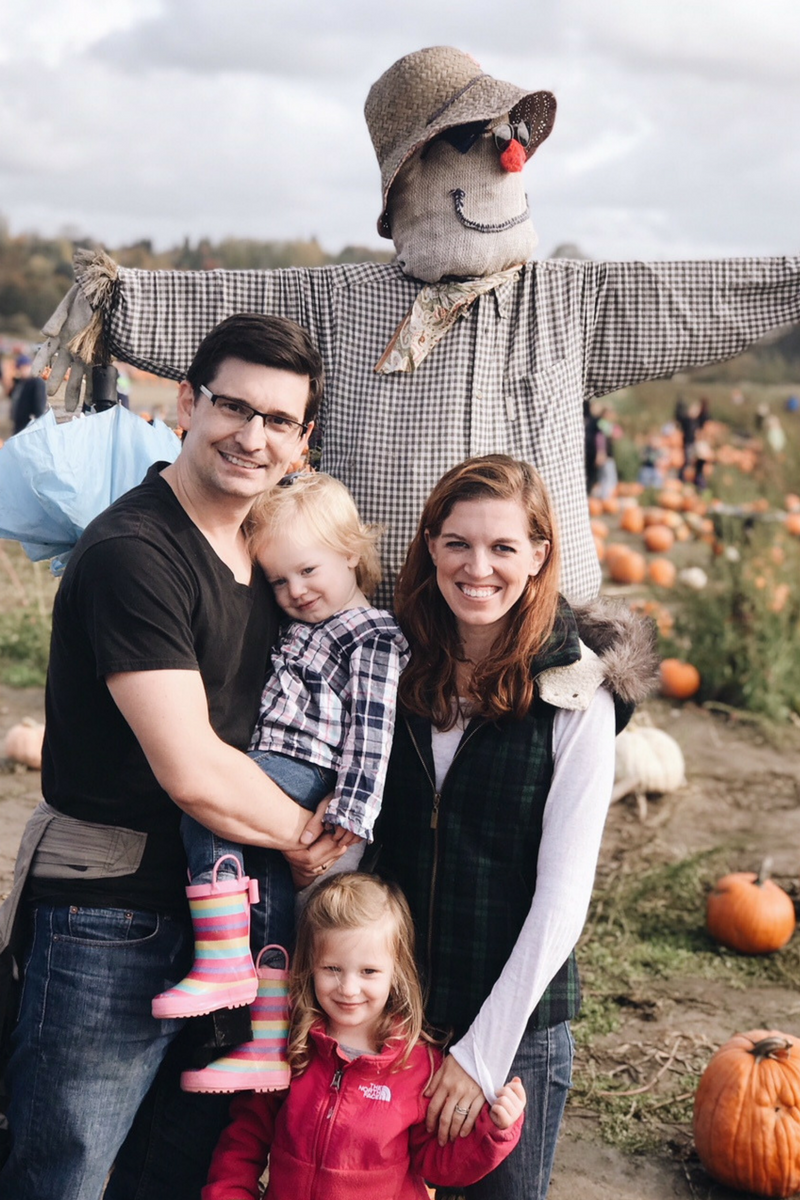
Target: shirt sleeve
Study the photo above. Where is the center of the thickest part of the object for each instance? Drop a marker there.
(157, 319)
(136, 605)
(648, 320)
(574, 816)
(466, 1160)
(375, 666)
(243, 1148)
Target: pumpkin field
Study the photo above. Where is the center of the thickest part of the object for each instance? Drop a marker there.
(717, 796)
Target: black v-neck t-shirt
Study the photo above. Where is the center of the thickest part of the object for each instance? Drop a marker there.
(143, 591)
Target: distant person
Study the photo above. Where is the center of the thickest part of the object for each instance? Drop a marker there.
(649, 471)
(686, 418)
(607, 477)
(590, 431)
(28, 395)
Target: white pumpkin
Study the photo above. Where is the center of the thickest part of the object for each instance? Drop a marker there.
(693, 577)
(647, 760)
(23, 743)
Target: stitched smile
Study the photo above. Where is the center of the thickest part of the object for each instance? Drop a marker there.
(459, 196)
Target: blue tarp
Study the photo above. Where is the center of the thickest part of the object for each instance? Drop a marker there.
(55, 478)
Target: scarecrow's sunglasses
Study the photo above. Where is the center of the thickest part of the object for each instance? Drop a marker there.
(506, 133)
(238, 414)
(463, 137)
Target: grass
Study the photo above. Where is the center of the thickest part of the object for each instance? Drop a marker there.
(647, 927)
(26, 600)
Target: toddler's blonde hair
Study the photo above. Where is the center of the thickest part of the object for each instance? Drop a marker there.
(324, 507)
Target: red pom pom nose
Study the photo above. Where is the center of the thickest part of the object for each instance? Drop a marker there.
(513, 157)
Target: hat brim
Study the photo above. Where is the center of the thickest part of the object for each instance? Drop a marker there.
(485, 100)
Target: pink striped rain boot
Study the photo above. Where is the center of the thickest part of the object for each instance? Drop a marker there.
(259, 1065)
(223, 975)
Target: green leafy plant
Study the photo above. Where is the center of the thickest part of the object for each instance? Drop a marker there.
(742, 632)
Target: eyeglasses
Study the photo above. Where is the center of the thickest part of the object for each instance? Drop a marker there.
(238, 414)
(504, 134)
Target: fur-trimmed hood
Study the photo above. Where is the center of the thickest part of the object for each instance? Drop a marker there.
(618, 649)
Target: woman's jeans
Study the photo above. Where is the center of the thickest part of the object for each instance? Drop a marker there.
(272, 919)
(544, 1064)
(87, 1056)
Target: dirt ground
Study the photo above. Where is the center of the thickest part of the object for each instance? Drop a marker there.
(742, 792)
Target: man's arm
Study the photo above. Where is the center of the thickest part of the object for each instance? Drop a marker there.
(216, 784)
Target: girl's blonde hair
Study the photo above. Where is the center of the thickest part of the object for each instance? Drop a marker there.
(323, 506)
(352, 901)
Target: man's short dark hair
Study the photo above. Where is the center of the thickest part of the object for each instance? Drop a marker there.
(266, 340)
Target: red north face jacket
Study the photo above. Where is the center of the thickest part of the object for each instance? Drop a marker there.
(347, 1130)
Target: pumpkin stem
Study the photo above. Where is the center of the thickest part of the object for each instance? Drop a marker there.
(771, 1047)
(764, 872)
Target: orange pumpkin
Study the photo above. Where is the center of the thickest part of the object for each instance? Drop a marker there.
(793, 523)
(679, 680)
(659, 538)
(746, 1126)
(654, 516)
(595, 506)
(23, 743)
(599, 528)
(611, 505)
(626, 566)
(670, 498)
(750, 913)
(662, 572)
(632, 519)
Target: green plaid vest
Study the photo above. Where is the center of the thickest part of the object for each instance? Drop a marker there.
(466, 859)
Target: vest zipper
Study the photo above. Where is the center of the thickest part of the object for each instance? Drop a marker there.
(437, 800)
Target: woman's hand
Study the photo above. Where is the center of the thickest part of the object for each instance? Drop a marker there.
(455, 1103)
(510, 1102)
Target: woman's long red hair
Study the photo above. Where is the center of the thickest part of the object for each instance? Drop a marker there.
(501, 684)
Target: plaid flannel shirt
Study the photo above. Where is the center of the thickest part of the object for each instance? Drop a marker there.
(331, 699)
(511, 375)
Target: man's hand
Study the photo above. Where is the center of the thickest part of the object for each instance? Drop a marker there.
(322, 848)
(72, 316)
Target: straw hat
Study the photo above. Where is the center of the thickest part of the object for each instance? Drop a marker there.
(436, 89)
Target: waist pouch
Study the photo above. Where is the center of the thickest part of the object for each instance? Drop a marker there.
(55, 846)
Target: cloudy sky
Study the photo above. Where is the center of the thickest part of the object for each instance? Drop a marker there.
(677, 129)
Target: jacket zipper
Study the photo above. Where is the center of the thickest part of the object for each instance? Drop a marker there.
(437, 800)
(324, 1135)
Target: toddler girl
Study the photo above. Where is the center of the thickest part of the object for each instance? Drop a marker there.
(353, 1121)
(325, 726)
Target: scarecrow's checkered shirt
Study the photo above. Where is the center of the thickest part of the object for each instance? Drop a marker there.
(511, 376)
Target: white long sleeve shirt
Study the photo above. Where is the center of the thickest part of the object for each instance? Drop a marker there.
(574, 817)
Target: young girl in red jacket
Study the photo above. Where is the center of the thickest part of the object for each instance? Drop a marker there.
(352, 1123)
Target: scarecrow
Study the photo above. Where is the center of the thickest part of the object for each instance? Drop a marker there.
(463, 345)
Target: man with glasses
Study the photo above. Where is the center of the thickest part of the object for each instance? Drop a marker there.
(162, 629)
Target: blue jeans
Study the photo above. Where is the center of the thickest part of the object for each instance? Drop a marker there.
(272, 919)
(86, 1054)
(544, 1064)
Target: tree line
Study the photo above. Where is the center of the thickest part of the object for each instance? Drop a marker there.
(35, 271)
